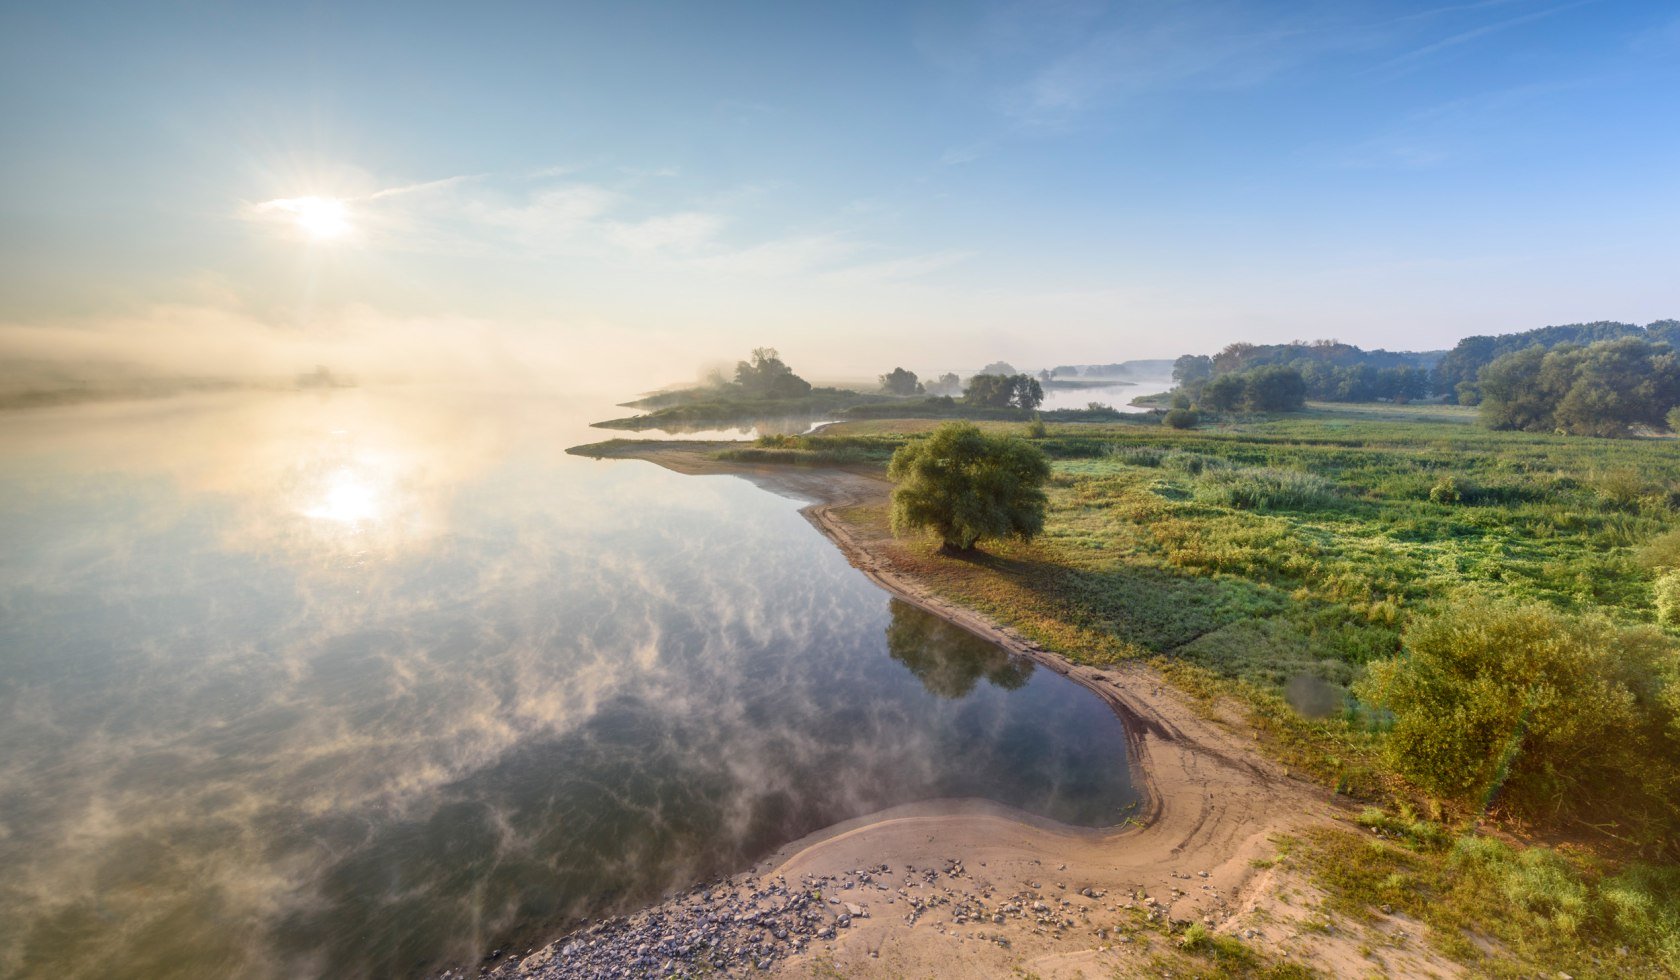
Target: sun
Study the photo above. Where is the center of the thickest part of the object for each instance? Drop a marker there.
(321, 217)
(318, 218)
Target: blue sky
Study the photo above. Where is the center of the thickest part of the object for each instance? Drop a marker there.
(1041, 182)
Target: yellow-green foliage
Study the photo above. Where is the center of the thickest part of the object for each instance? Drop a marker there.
(1553, 712)
(1540, 910)
(967, 486)
(1666, 594)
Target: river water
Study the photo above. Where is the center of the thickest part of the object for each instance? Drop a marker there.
(357, 684)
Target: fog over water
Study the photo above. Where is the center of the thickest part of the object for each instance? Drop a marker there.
(361, 683)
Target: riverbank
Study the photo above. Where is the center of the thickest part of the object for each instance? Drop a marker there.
(959, 889)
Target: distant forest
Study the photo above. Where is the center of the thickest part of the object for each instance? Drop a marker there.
(1337, 372)
(1601, 379)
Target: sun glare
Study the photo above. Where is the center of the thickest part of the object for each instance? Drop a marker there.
(319, 218)
(348, 498)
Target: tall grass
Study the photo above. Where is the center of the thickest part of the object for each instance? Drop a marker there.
(1266, 488)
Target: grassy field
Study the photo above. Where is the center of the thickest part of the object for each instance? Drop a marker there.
(1273, 558)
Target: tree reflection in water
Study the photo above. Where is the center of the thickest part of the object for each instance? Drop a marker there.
(948, 659)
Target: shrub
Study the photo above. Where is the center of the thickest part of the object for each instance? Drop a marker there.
(1450, 490)
(1673, 419)
(1661, 552)
(1181, 418)
(1554, 713)
(1666, 594)
(1036, 429)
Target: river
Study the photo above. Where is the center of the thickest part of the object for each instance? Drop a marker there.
(362, 683)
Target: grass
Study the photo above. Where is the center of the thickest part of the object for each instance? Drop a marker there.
(1254, 550)
(1240, 555)
(1260, 550)
(1502, 909)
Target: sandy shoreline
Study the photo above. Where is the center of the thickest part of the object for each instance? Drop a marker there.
(1026, 894)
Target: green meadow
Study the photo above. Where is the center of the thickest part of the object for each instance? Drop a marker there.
(1278, 562)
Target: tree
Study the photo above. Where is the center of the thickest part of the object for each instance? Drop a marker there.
(901, 382)
(989, 391)
(1274, 389)
(765, 376)
(1603, 389)
(1029, 394)
(999, 367)
(1192, 368)
(1004, 391)
(1223, 393)
(947, 384)
(967, 486)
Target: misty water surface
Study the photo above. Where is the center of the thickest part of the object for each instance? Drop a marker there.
(352, 684)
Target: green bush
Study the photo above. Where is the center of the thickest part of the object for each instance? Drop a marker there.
(1666, 594)
(1661, 552)
(1181, 418)
(1447, 491)
(1554, 714)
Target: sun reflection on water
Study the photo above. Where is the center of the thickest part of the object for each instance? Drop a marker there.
(348, 498)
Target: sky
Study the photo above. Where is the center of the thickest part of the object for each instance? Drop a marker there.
(532, 187)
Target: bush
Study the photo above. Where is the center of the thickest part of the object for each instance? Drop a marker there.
(1553, 713)
(1450, 490)
(1036, 429)
(1666, 594)
(1662, 552)
(1673, 419)
(1181, 418)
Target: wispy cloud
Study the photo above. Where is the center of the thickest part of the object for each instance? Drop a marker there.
(1049, 66)
(1417, 55)
(616, 218)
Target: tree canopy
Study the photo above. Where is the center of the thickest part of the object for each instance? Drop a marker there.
(1272, 388)
(1004, 391)
(765, 376)
(967, 486)
(901, 382)
(1455, 374)
(1603, 389)
(946, 384)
